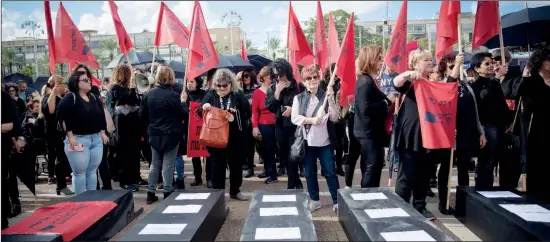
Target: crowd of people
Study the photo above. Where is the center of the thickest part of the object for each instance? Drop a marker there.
(502, 119)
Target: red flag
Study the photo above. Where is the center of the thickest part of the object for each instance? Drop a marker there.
(202, 54)
(296, 40)
(70, 46)
(333, 44)
(170, 29)
(124, 41)
(345, 67)
(51, 40)
(447, 28)
(413, 45)
(437, 112)
(244, 56)
(487, 22)
(397, 57)
(321, 46)
(95, 81)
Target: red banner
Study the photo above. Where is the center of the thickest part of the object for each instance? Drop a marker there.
(194, 147)
(69, 219)
(437, 112)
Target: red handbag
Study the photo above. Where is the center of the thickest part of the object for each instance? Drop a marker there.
(215, 128)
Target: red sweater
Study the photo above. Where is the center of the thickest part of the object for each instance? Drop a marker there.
(260, 114)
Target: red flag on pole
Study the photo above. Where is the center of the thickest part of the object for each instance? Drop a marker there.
(437, 112)
(70, 46)
(202, 54)
(321, 46)
(170, 29)
(51, 40)
(345, 67)
(244, 56)
(413, 45)
(124, 41)
(397, 57)
(333, 44)
(296, 40)
(447, 28)
(487, 22)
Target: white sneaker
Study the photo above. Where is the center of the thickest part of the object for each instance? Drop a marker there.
(314, 205)
(335, 208)
(347, 187)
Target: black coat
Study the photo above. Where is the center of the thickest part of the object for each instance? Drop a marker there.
(371, 110)
(285, 99)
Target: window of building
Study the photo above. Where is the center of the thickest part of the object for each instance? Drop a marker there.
(379, 29)
(41, 48)
(94, 44)
(141, 41)
(419, 29)
(19, 49)
(226, 48)
(469, 36)
(28, 48)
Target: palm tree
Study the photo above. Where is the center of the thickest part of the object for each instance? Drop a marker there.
(274, 44)
(111, 46)
(8, 58)
(219, 48)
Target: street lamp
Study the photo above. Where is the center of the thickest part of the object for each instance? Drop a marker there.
(34, 30)
(232, 19)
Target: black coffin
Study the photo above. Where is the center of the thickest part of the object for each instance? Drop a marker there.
(102, 230)
(279, 215)
(389, 218)
(192, 215)
(489, 221)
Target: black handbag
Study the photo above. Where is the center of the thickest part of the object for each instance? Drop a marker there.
(298, 147)
(513, 140)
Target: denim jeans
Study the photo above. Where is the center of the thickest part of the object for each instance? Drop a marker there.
(179, 166)
(328, 169)
(166, 161)
(268, 148)
(84, 164)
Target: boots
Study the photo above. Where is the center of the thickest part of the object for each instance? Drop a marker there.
(196, 182)
(151, 198)
(209, 184)
(167, 194)
(180, 185)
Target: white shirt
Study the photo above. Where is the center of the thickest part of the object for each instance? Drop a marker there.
(318, 133)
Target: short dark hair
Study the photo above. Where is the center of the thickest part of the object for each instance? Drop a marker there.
(538, 57)
(283, 67)
(88, 71)
(199, 82)
(442, 66)
(478, 58)
(73, 81)
(12, 85)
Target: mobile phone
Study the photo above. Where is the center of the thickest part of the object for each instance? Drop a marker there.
(79, 148)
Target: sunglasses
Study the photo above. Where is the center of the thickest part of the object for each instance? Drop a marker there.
(275, 76)
(309, 78)
(222, 85)
(86, 80)
(499, 59)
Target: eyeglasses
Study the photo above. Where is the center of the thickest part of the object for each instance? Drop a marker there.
(499, 59)
(275, 76)
(86, 80)
(222, 85)
(309, 78)
(246, 76)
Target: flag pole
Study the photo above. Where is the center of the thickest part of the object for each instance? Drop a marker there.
(153, 61)
(500, 37)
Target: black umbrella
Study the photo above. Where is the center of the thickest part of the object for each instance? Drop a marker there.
(525, 27)
(178, 67)
(259, 61)
(234, 63)
(140, 58)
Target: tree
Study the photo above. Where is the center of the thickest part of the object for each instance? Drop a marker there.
(8, 60)
(111, 46)
(250, 48)
(274, 44)
(28, 70)
(219, 48)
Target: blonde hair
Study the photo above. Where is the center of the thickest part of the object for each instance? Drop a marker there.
(416, 55)
(263, 73)
(165, 76)
(225, 76)
(52, 81)
(240, 77)
(368, 59)
(122, 75)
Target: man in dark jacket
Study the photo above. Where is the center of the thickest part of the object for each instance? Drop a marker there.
(279, 101)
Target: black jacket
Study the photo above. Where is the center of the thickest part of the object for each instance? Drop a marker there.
(285, 99)
(492, 106)
(371, 109)
(35, 130)
(162, 111)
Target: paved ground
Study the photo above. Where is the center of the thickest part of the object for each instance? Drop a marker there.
(325, 220)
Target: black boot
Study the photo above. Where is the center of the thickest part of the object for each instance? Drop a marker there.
(167, 194)
(303, 172)
(180, 185)
(281, 171)
(196, 182)
(151, 198)
(16, 209)
(208, 184)
(249, 173)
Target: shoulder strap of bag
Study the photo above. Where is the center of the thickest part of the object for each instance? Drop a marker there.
(516, 115)
(403, 99)
(475, 104)
(308, 126)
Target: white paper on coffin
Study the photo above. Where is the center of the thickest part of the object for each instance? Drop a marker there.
(278, 198)
(193, 208)
(368, 196)
(193, 196)
(280, 211)
(498, 194)
(529, 212)
(277, 233)
(163, 229)
(417, 235)
(386, 212)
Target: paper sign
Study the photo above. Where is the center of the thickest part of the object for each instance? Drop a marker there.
(193, 196)
(194, 148)
(277, 233)
(280, 211)
(193, 208)
(368, 196)
(278, 198)
(499, 194)
(417, 235)
(162, 229)
(529, 212)
(386, 212)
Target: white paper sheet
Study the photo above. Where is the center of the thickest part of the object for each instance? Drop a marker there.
(162, 229)
(499, 194)
(280, 211)
(417, 235)
(277, 233)
(193, 196)
(386, 212)
(529, 212)
(192, 208)
(278, 198)
(368, 196)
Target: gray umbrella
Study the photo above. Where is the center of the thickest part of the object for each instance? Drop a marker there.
(140, 58)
